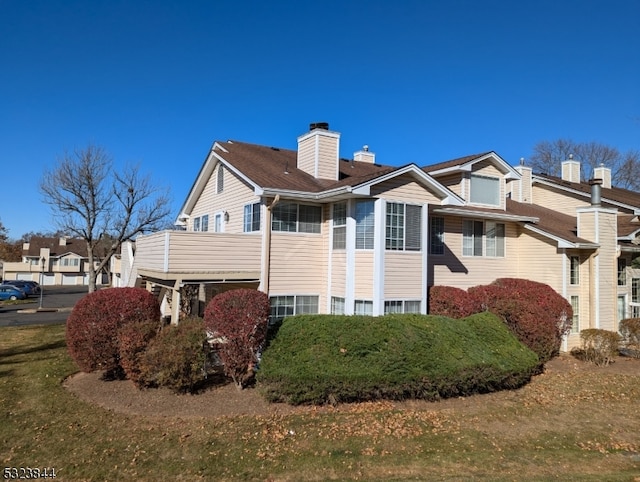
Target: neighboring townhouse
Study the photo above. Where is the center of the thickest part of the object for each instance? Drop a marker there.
(321, 234)
(52, 261)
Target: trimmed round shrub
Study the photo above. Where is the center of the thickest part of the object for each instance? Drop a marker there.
(93, 325)
(319, 359)
(237, 321)
(534, 312)
(176, 358)
(133, 339)
(450, 301)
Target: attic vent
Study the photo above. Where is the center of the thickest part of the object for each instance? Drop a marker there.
(319, 125)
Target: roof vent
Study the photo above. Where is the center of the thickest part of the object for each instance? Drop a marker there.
(319, 125)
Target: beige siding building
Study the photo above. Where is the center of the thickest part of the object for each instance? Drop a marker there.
(323, 234)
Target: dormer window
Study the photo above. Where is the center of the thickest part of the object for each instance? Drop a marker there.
(485, 190)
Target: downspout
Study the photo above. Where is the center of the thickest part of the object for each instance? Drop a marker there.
(266, 267)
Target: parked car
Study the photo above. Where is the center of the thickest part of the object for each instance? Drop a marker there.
(29, 287)
(10, 292)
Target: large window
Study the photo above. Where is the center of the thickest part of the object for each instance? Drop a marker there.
(302, 218)
(365, 224)
(282, 306)
(340, 226)
(481, 238)
(252, 217)
(363, 307)
(574, 272)
(403, 227)
(204, 225)
(437, 235)
(485, 190)
(402, 306)
(196, 224)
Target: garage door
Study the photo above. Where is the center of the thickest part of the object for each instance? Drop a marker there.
(69, 279)
(24, 276)
(48, 279)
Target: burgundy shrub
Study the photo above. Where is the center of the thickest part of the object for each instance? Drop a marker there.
(133, 340)
(93, 326)
(536, 314)
(238, 320)
(449, 301)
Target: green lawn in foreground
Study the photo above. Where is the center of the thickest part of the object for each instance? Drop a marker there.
(561, 427)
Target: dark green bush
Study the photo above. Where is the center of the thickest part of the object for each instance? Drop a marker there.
(317, 359)
(597, 346)
(176, 358)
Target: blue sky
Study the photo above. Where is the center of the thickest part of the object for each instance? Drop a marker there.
(156, 82)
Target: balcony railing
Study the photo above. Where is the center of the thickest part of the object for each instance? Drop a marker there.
(181, 252)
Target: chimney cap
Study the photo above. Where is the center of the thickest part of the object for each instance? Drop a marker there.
(595, 181)
(319, 125)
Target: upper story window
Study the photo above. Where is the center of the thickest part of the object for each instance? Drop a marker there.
(622, 272)
(204, 224)
(340, 226)
(220, 179)
(436, 245)
(485, 190)
(252, 217)
(403, 227)
(574, 270)
(196, 224)
(301, 218)
(365, 224)
(480, 238)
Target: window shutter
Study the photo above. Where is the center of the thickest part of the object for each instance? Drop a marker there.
(413, 228)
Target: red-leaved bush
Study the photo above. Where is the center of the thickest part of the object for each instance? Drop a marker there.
(238, 321)
(133, 340)
(450, 301)
(93, 326)
(536, 314)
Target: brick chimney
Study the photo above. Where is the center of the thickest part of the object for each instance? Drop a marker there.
(318, 152)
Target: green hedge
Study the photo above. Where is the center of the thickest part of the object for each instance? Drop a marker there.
(317, 359)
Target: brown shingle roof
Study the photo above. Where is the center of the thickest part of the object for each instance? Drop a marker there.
(627, 224)
(617, 194)
(275, 168)
(550, 221)
(454, 162)
(73, 245)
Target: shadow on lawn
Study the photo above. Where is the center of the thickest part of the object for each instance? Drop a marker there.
(28, 349)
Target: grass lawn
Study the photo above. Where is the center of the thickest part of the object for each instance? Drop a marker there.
(564, 426)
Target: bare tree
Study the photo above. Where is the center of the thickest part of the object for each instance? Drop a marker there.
(547, 157)
(93, 201)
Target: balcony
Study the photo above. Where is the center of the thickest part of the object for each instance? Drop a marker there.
(188, 255)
